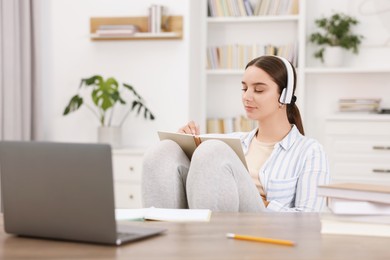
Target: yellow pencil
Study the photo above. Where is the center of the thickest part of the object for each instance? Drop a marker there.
(261, 239)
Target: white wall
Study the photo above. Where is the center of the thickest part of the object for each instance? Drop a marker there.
(158, 69)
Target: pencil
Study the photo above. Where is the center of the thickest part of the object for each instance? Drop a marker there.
(261, 239)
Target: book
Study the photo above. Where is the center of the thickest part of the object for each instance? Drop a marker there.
(360, 218)
(356, 191)
(340, 226)
(189, 142)
(358, 207)
(160, 214)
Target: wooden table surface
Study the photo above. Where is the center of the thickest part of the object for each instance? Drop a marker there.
(199, 240)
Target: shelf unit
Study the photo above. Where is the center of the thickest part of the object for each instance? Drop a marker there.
(319, 88)
(348, 138)
(219, 31)
(172, 31)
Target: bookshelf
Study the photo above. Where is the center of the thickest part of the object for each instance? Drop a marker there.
(231, 36)
(319, 88)
(172, 31)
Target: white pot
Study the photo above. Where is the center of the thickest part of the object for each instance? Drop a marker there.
(110, 135)
(333, 56)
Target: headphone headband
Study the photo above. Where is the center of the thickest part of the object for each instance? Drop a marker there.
(287, 93)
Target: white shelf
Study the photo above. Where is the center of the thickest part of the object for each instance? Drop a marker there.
(164, 35)
(217, 72)
(358, 116)
(343, 70)
(246, 19)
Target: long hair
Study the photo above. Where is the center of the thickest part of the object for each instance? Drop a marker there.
(276, 69)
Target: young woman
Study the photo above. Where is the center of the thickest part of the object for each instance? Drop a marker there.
(285, 167)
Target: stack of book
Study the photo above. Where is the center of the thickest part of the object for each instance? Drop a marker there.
(236, 56)
(370, 105)
(230, 124)
(117, 30)
(356, 209)
(226, 8)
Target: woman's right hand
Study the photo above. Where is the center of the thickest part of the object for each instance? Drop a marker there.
(190, 128)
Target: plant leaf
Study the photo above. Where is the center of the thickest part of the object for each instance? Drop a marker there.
(74, 104)
(94, 80)
(129, 87)
(336, 30)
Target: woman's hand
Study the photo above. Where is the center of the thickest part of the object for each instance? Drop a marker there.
(190, 128)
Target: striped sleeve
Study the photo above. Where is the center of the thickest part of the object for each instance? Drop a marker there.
(314, 172)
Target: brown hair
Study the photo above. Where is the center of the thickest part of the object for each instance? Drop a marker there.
(276, 69)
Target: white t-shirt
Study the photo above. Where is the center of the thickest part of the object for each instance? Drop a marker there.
(257, 154)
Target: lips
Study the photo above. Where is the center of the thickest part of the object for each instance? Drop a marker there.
(249, 108)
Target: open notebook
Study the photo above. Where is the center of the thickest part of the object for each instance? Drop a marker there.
(189, 142)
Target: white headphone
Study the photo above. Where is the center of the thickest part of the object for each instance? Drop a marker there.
(287, 93)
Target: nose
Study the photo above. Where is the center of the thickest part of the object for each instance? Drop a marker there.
(247, 95)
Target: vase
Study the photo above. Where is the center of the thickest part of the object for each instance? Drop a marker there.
(333, 56)
(110, 135)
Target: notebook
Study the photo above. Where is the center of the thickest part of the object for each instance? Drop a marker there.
(62, 191)
(189, 143)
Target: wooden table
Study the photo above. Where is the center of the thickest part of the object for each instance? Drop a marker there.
(207, 241)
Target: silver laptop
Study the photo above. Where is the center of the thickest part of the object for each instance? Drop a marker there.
(62, 191)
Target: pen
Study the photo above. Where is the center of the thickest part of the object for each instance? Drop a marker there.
(261, 239)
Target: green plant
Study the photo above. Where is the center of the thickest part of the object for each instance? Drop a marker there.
(105, 95)
(336, 31)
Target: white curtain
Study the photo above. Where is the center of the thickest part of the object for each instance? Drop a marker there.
(19, 70)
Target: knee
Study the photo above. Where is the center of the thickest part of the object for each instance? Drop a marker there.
(162, 148)
(158, 152)
(209, 149)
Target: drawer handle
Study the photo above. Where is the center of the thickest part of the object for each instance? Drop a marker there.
(381, 170)
(131, 168)
(377, 147)
(131, 196)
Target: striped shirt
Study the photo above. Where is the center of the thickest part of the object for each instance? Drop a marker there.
(292, 173)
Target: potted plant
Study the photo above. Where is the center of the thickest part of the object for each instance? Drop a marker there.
(336, 34)
(105, 95)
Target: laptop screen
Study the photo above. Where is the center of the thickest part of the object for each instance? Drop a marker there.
(58, 190)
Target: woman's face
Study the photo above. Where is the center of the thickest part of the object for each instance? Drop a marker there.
(260, 95)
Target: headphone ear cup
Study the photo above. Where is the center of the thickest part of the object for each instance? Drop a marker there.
(282, 98)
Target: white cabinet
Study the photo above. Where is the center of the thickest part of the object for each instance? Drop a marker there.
(359, 148)
(127, 167)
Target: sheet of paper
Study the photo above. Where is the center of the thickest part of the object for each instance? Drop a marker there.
(129, 214)
(160, 214)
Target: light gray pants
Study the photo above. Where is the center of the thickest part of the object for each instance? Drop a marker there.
(214, 179)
